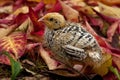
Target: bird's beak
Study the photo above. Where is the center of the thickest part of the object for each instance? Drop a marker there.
(41, 19)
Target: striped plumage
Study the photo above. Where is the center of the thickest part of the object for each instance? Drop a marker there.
(71, 41)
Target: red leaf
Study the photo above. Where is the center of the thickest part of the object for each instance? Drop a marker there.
(102, 41)
(7, 20)
(15, 44)
(4, 59)
(39, 7)
(110, 76)
(70, 13)
(38, 26)
(119, 29)
(112, 29)
(56, 8)
(20, 18)
(17, 4)
(96, 22)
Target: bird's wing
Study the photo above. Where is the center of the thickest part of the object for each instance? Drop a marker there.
(79, 45)
(75, 52)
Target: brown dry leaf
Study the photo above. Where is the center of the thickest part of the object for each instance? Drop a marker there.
(70, 13)
(63, 72)
(51, 63)
(102, 67)
(3, 2)
(116, 60)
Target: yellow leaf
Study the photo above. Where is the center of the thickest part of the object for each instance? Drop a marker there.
(102, 67)
(45, 1)
(112, 2)
(109, 11)
(6, 9)
(23, 9)
(49, 1)
(6, 31)
(3, 2)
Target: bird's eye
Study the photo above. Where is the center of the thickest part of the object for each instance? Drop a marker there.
(56, 22)
(51, 19)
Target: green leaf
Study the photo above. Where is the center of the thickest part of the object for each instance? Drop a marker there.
(115, 71)
(15, 66)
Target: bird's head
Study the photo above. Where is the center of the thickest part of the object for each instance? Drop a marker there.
(53, 20)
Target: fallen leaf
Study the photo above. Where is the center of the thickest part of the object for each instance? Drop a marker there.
(6, 9)
(24, 26)
(17, 4)
(45, 1)
(49, 2)
(51, 63)
(115, 71)
(15, 66)
(70, 13)
(112, 3)
(4, 59)
(96, 22)
(39, 7)
(107, 18)
(110, 76)
(4, 2)
(102, 41)
(23, 9)
(34, 0)
(102, 68)
(67, 74)
(32, 45)
(112, 29)
(56, 8)
(38, 26)
(116, 61)
(6, 31)
(20, 18)
(109, 11)
(15, 44)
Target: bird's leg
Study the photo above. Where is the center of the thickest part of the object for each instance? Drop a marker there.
(85, 68)
(62, 59)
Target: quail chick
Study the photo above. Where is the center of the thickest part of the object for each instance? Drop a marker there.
(70, 40)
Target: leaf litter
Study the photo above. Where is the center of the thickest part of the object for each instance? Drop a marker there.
(22, 37)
